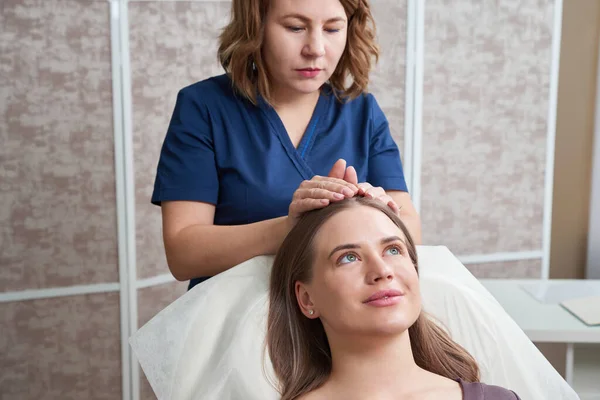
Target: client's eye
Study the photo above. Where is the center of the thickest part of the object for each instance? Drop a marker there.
(394, 250)
(347, 258)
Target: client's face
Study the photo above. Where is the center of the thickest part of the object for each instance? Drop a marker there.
(364, 281)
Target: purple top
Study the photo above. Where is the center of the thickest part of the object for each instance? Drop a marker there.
(481, 391)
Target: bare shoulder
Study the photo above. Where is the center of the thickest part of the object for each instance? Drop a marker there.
(447, 389)
(437, 387)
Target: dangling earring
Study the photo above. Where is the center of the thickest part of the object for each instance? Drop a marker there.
(253, 66)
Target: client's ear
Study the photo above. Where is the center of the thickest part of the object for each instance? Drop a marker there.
(305, 302)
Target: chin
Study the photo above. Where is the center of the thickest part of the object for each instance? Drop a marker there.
(395, 329)
(308, 86)
(388, 328)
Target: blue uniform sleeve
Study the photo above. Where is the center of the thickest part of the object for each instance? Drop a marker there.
(385, 165)
(187, 168)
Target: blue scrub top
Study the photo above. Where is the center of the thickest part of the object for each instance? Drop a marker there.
(223, 150)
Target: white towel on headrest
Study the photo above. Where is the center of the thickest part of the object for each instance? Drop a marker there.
(209, 343)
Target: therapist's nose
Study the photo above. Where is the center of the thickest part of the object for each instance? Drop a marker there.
(378, 270)
(315, 45)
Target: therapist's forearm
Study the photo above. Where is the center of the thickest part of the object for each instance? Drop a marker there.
(206, 250)
(413, 224)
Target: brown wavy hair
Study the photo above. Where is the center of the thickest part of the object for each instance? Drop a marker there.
(240, 46)
(298, 346)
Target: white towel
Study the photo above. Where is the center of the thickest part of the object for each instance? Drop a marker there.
(209, 343)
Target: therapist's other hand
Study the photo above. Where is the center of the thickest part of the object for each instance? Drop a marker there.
(341, 171)
(371, 192)
(319, 192)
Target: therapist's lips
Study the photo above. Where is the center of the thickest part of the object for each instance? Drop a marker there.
(384, 298)
(309, 72)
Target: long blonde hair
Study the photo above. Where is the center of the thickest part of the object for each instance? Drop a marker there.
(298, 346)
(240, 46)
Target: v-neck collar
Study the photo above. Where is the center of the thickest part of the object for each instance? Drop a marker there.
(297, 155)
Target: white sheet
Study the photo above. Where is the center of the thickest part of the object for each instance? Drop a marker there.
(209, 343)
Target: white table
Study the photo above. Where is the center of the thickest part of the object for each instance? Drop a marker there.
(543, 322)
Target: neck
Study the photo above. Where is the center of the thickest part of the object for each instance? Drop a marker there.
(284, 100)
(380, 367)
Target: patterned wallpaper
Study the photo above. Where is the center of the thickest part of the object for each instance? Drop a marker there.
(63, 348)
(173, 44)
(58, 220)
(487, 73)
(387, 79)
(57, 190)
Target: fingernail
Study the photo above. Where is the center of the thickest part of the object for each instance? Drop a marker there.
(324, 201)
(348, 192)
(338, 196)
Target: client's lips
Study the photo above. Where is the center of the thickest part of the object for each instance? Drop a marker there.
(384, 294)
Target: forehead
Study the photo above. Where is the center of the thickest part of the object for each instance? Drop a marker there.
(355, 225)
(312, 9)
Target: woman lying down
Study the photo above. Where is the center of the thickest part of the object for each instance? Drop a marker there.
(345, 319)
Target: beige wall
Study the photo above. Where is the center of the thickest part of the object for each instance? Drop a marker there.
(57, 189)
(487, 75)
(574, 134)
(573, 154)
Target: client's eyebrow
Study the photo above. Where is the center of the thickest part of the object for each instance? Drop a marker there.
(356, 246)
(392, 239)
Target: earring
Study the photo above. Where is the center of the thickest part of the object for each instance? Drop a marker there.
(311, 312)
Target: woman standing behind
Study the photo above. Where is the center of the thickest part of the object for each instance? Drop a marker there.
(248, 151)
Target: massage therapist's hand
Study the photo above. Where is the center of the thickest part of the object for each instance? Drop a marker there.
(369, 191)
(340, 171)
(318, 192)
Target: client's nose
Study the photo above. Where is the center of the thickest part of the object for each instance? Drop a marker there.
(378, 270)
